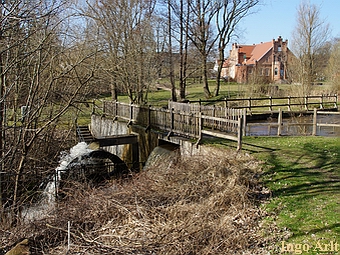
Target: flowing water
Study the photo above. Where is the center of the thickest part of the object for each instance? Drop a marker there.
(162, 155)
(47, 201)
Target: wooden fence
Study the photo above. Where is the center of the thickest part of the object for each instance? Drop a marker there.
(287, 127)
(317, 124)
(308, 102)
(195, 120)
(213, 121)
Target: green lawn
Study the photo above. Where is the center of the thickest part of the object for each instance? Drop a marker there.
(303, 174)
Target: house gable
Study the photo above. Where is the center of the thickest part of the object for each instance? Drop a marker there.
(267, 59)
(259, 51)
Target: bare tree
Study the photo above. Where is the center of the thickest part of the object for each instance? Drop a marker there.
(310, 35)
(333, 66)
(41, 80)
(229, 14)
(126, 40)
(200, 30)
(171, 74)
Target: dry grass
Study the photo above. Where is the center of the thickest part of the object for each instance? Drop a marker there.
(194, 205)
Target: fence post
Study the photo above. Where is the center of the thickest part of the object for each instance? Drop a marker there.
(249, 103)
(306, 102)
(239, 133)
(116, 109)
(171, 122)
(270, 103)
(135, 156)
(289, 109)
(93, 107)
(172, 119)
(279, 122)
(314, 121)
(321, 102)
(335, 100)
(200, 127)
(244, 121)
(149, 116)
(131, 115)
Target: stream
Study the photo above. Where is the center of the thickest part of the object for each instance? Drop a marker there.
(295, 126)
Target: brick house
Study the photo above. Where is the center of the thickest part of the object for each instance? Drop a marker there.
(266, 62)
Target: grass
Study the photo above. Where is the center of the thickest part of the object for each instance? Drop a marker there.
(194, 91)
(304, 176)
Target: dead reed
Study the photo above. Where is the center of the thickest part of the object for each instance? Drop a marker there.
(202, 204)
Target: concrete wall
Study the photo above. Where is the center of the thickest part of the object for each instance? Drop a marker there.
(147, 139)
(101, 127)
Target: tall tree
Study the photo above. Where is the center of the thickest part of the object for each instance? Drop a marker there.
(126, 39)
(310, 35)
(171, 74)
(229, 14)
(40, 76)
(200, 32)
(333, 67)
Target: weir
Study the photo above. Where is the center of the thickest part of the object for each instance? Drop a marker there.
(134, 143)
(129, 139)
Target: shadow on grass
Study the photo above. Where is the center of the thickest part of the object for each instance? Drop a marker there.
(335, 227)
(304, 178)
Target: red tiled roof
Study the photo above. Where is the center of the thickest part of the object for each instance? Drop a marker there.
(259, 51)
(247, 49)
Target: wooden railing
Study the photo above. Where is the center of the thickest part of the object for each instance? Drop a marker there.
(317, 124)
(214, 121)
(274, 103)
(195, 120)
(281, 127)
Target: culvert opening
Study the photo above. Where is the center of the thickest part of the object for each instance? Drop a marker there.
(96, 166)
(164, 155)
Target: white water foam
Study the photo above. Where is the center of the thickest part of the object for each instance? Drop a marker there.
(77, 151)
(47, 201)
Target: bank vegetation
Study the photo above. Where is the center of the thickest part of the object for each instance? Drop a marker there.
(180, 205)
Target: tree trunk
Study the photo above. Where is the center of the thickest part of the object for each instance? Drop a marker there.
(219, 69)
(18, 176)
(172, 78)
(206, 90)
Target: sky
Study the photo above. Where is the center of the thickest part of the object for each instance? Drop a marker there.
(274, 18)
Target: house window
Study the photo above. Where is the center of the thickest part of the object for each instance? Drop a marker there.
(279, 48)
(250, 70)
(275, 71)
(267, 71)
